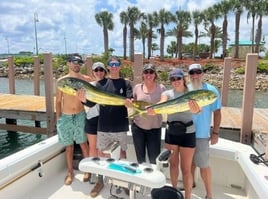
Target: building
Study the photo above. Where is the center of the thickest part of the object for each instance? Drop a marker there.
(244, 48)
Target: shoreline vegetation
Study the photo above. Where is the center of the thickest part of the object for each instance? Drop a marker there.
(213, 70)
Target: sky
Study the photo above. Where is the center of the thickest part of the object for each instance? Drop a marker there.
(68, 26)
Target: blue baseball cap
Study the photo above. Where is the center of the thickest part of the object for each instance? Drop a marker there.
(176, 72)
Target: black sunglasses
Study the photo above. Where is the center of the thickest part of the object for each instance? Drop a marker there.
(148, 72)
(191, 72)
(77, 62)
(99, 69)
(173, 79)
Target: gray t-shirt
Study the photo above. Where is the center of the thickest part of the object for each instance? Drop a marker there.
(184, 117)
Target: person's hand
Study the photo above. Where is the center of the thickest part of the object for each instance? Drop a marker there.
(128, 103)
(194, 107)
(150, 111)
(81, 95)
(214, 138)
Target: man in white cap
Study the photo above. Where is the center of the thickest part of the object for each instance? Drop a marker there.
(205, 135)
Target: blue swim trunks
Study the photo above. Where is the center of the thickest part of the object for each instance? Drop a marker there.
(71, 128)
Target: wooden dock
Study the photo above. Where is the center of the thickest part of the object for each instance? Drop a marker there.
(232, 119)
(23, 107)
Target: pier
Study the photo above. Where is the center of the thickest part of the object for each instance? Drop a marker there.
(246, 120)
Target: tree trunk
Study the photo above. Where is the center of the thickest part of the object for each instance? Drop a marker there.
(125, 42)
(162, 42)
(237, 24)
(131, 44)
(106, 40)
(258, 34)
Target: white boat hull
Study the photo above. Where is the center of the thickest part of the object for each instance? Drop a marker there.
(39, 171)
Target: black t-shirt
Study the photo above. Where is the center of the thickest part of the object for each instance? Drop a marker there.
(114, 118)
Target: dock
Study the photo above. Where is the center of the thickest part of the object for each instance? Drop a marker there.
(23, 107)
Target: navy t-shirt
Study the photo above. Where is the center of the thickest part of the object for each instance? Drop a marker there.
(114, 118)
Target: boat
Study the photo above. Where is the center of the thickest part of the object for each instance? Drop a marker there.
(38, 172)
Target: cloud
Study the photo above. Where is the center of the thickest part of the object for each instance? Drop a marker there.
(73, 23)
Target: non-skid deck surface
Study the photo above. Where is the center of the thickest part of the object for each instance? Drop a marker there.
(55, 189)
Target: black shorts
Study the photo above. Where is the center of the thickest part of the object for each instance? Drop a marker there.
(183, 140)
(91, 125)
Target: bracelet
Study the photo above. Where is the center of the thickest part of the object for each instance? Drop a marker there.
(215, 133)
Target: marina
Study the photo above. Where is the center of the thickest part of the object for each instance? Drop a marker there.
(41, 108)
(43, 164)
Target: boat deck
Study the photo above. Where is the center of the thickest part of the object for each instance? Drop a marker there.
(234, 175)
(80, 190)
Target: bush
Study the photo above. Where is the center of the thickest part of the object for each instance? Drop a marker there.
(262, 68)
(240, 70)
(127, 72)
(210, 67)
(163, 76)
(23, 61)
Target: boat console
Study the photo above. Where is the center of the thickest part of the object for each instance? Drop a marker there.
(134, 176)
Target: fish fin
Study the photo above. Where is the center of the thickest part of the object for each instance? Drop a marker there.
(136, 111)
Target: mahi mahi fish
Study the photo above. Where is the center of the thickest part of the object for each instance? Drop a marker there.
(180, 104)
(70, 86)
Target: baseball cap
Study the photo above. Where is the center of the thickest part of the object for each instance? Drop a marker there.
(149, 66)
(75, 57)
(195, 67)
(176, 72)
(98, 65)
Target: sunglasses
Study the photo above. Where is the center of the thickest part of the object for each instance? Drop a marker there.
(173, 79)
(148, 72)
(191, 72)
(77, 62)
(98, 70)
(114, 64)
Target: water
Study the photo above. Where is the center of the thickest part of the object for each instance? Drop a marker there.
(13, 142)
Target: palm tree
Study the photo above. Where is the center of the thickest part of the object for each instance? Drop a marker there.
(211, 14)
(217, 37)
(142, 34)
(134, 15)
(154, 47)
(163, 17)
(197, 17)
(224, 7)
(183, 19)
(252, 7)
(124, 20)
(237, 7)
(105, 19)
(262, 10)
(174, 32)
(151, 21)
(172, 48)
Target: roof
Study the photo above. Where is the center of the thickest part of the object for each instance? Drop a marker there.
(245, 43)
